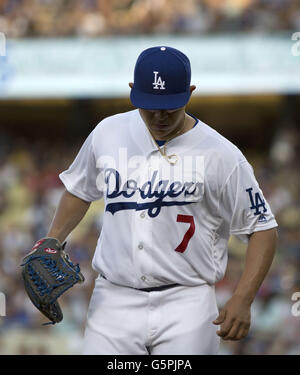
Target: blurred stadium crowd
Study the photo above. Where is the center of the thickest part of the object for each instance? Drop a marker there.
(51, 18)
(29, 192)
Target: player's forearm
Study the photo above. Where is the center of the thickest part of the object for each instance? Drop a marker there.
(69, 213)
(260, 254)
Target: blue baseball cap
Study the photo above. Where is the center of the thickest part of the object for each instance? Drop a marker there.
(162, 77)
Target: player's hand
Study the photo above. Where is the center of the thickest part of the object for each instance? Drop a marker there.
(234, 319)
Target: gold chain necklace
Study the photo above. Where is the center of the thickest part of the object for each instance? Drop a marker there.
(172, 159)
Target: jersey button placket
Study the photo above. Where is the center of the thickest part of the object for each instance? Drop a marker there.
(142, 229)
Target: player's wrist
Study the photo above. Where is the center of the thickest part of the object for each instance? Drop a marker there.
(57, 236)
(244, 297)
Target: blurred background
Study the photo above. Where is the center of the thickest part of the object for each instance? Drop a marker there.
(66, 66)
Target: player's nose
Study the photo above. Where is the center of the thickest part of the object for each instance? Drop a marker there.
(161, 115)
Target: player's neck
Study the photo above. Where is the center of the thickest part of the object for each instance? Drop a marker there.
(185, 126)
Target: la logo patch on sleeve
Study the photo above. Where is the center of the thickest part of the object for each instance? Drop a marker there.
(257, 204)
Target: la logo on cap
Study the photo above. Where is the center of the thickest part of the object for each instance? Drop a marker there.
(158, 83)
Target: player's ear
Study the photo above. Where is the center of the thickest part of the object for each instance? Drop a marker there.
(192, 88)
(130, 84)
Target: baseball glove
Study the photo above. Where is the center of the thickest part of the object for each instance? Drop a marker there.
(47, 273)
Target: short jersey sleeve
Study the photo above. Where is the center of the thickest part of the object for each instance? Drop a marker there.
(81, 177)
(242, 204)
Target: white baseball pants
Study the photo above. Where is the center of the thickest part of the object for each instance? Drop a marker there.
(126, 321)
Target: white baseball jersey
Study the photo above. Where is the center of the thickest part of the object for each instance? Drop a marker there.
(166, 223)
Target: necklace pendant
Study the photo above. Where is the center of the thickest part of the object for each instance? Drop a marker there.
(172, 159)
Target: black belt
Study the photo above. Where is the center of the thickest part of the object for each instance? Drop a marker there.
(153, 289)
(158, 288)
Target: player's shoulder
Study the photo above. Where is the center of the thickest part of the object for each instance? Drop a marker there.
(220, 147)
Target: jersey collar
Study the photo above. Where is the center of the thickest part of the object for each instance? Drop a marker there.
(145, 143)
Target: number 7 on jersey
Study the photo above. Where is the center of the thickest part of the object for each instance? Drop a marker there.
(189, 234)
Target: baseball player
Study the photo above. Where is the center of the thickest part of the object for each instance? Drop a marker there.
(174, 191)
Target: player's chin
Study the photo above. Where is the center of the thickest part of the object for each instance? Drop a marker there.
(162, 130)
(160, 127)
